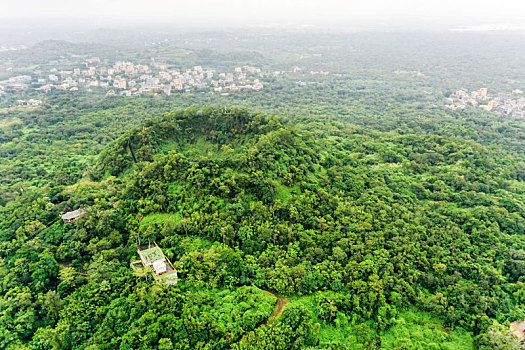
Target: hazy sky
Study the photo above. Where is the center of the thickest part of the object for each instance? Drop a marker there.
(245, 12)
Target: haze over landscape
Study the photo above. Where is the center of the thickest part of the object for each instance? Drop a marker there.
(262, 175)
(371, 14)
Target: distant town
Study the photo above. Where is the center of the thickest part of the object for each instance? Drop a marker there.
(126, 78)
(11, 47)
(512, 104)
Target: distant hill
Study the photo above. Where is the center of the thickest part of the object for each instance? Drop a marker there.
(55, 52)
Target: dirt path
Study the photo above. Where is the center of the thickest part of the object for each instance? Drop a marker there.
(279, 304)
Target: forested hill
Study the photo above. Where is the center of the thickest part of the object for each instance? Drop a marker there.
(370, 235)
(182, 129)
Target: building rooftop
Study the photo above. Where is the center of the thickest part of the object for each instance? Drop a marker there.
(518, 325)
(152, 258)
(73, 214)
(152, 254)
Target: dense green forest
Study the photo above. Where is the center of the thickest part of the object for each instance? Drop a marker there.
(366, 232)
(351, 211)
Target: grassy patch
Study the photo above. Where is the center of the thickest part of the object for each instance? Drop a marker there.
(412, 330)
(284, 192)
(200, 148)
(169, 145)
(160, 219)
(420, 330)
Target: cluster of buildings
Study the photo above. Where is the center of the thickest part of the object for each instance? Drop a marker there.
(5, 47)
(297, 69)
(30, 103)
(127, 78)
(313, 72)
(506, 104)
(18, 83)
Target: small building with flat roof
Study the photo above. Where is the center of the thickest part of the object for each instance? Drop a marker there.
(71, 216)
(153, 259)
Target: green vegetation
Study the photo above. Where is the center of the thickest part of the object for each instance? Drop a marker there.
(411, 329)
(386, 221)
(159, 219)
(381, 221)
(417, 330)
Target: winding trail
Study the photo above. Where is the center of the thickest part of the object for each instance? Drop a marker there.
(280, 304)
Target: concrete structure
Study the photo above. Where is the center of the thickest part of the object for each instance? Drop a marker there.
(483, 92)
(518, 329)
(153, 259)
(71, 216)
